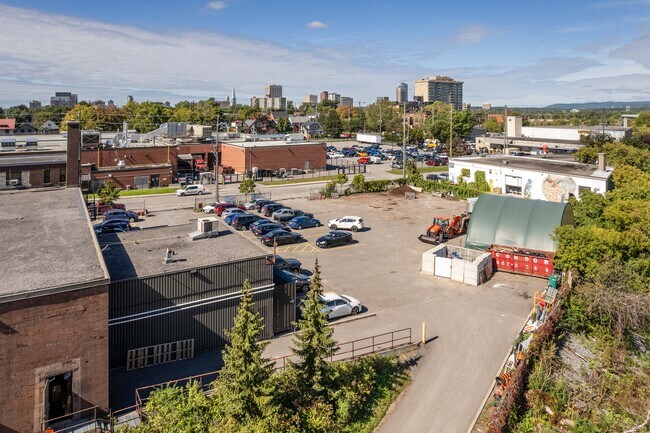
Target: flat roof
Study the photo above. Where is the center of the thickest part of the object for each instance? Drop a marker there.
(141, 253)
(538, 163)
(269, 143)
(30, 158)
(48, 245)
(499, 140)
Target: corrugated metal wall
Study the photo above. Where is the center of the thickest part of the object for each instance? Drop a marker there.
(168, 298)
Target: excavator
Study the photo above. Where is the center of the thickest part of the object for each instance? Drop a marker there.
(445, 228)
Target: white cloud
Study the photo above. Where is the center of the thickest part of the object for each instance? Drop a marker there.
(216, 5)
(317, 25)
(474, 33)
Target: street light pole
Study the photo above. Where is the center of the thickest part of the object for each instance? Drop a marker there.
(451, 131)
(404, 145)
(216, 163)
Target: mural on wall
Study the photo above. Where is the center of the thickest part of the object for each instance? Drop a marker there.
(528, 188)
(557, 188)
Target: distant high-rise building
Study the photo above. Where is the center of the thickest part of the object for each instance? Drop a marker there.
(487, 106)
(444, 89)
(233, 98)
(323, 95)
(382, 98)
(129, 99)
(273, 91)
(35, 104)
(310, 99)
(110, 103)
(270, 103)
(467, 106)
(334, 97)
(346, 101)
(402, 93)
(63, 99)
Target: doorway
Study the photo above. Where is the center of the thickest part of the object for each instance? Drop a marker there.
(154, 181)
(58, 396)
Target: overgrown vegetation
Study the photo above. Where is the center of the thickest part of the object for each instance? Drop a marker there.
(108, 193)
(594, 376)
(311, 395)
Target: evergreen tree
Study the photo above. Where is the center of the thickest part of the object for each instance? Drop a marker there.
(242, 383)
(313, 342)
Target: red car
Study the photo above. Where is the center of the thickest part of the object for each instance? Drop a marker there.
(433, 162)
(223, 206)
(364, 160)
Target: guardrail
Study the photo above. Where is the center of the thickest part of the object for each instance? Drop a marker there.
(347, 351)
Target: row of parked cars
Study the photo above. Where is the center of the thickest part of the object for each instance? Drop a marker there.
(115, 221)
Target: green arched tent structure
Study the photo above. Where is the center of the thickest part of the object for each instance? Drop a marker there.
(516, 222)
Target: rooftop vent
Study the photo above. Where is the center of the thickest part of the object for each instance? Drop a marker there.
(206, 228)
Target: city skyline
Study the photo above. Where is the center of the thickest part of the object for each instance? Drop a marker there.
(172, 51)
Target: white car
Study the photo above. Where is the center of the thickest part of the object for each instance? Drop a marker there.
(340, 305)
(210, 207)
(191, 190)
(231, 210)
(375, 160)
(251, 203)
(353, 223)
(337, 155)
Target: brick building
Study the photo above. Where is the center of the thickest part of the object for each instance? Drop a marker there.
(53, 311)
(242, 156)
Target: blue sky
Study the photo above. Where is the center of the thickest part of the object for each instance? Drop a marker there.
(510, 52)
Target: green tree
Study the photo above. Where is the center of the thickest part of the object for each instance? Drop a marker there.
(313, 343)
(492, 126)
(358, 183)
(384, 113)
(283, 125)
(146, 116)
(20, 112)
(108, 193)
(94, 117)
(332, 124)
(242, 383)
(247, 186)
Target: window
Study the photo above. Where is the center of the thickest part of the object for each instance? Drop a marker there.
(583, 189)
(13, 178)
(62, 175)
(513, 185)
(47, 177)
(58, 396)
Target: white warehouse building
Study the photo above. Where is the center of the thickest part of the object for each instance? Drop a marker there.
(534, 177)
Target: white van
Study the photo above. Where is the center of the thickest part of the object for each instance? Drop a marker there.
(191, 190)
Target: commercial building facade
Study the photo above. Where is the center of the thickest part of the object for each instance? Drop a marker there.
(402, 93)
(438, 88)
(63, 99)
(534, 177)
(53, 312)
(242, 156)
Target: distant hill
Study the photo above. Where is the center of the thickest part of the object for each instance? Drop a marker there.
(599, 105)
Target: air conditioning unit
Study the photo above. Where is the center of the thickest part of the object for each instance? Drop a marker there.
(14, 182)
(206, 228)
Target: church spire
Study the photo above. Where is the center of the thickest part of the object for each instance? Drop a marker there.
(233, 99)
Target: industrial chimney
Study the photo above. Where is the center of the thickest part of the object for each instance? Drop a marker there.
(602, 162)
(73, 157)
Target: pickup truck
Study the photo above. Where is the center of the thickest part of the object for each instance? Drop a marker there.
(284, 215)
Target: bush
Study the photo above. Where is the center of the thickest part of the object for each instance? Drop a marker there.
(328, 189)
(247, 186)
(108, 193)
(464, 172)
(377, 185)
(358, 183)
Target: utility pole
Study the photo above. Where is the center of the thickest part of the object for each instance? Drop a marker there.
(505, 129)
(216, 163)
(404, 144)
(379, 118)
(451, 130)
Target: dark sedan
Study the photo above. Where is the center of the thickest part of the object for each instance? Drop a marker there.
(292, 265)
(244, 221)
(260, 222)
(303, 222)
(270, 208)
(261, 203)
(266, 228)
(112, 226)
(120, 214)
(334, 239)
(302, 281)
(281, 237)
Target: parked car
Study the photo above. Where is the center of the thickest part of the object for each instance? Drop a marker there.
(250, 204)
(281, 237)
(260, 203)
(229, 218)
(434, 176)
(340, 305)
(303, 222)
(364, 160)
(375, 159)
(211, 207)
(260, 222)
(268, 209)
(120, 214)
(112, 226)
(95, 209)
(286, 214)
(301, 281)
(191, 190)
(293, 265)
(223, 206)
(232, 210)
(397, 164)
(353, 223)
(334, 239)
(266, 228)
(244, 221)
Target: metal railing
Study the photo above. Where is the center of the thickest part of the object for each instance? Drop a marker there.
(347, 351)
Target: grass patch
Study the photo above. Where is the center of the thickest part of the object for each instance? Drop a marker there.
(305, 180)
(135, 192)
(432, 169)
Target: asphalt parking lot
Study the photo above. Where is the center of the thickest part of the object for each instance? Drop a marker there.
(469, 328)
